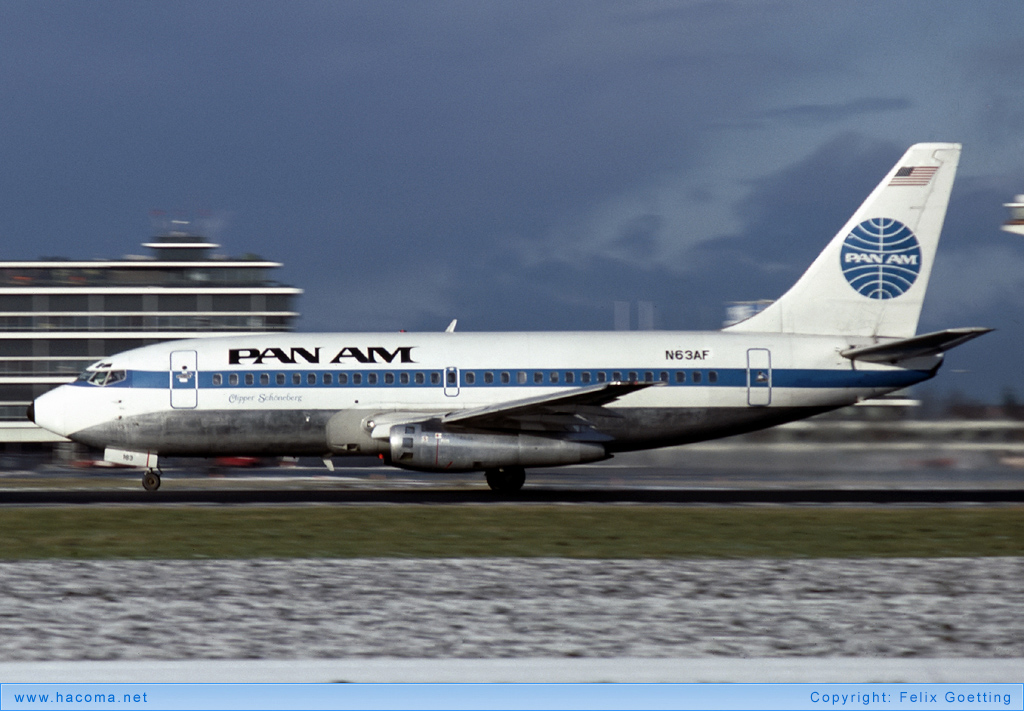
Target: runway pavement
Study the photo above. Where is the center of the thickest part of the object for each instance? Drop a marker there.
(732, 476)
(538, 495)
(710, 473)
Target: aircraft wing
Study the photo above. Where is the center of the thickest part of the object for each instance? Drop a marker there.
(928, 344)
(556, 411)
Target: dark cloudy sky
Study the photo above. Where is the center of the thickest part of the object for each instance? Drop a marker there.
(519, 165)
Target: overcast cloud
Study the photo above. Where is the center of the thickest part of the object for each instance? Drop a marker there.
(519, 165)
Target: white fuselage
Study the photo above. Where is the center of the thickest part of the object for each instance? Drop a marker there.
(279, 394)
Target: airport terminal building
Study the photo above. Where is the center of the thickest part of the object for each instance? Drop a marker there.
(59, 316)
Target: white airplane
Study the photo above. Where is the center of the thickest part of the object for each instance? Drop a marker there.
(502, 402)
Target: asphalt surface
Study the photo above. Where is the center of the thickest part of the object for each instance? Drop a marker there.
(527, 495)
(821, 474)
(727, 483)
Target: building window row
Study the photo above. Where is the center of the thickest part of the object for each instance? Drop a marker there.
(60, 346)
(120, 303)
(13, 412)
(141, 274)
(42, 368)
(145, 323)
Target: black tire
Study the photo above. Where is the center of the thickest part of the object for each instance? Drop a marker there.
(150, 481)
(505, 480)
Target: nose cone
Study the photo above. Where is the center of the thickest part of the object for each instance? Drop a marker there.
(48, 411)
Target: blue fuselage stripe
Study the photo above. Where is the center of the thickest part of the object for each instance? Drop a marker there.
(561, 378)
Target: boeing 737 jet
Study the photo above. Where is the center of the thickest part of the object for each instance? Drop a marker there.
(502, 402)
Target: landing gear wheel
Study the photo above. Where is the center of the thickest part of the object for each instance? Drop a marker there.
(151, 481)
(505, 480)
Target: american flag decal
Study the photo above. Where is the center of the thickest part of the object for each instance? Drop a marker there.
(916, 175)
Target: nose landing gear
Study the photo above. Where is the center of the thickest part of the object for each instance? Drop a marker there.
(151, 480)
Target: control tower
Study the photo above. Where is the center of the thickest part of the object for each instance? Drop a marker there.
(1016, 222)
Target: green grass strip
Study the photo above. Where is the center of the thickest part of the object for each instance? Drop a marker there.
(520, 531)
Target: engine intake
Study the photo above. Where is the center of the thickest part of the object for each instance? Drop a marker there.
(413, 447)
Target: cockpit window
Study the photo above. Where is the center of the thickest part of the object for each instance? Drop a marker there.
(102, 378)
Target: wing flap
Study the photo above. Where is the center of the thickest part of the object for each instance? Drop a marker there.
(570, 402)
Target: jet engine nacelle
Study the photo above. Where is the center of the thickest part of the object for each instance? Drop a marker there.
(413, 447)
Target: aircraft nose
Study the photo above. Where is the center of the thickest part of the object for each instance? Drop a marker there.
(48, 412)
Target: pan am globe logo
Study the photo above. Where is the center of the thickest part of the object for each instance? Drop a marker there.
(881, 258)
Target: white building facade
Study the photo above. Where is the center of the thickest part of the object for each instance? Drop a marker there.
(57, 317)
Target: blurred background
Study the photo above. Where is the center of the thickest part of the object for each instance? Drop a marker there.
(383, 166)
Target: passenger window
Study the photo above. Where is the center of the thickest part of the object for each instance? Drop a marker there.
(389, 378)
(521, 377)
(632, 376)
(663, 377)
(328, 379)
(435, 378)
(420, 380)
(585, 376)
(616, 376)
(218, 379)
(311, 378)
(450, 377)
(279, 378)
(680, 376)
(342, 378)
(250, 379)
(600, 376)
(371, 378)
(648, 377)
(470, 378)
(296, 378)
(538, 377)
(357, 378)
(505, 378)
(713, 376)
(553, 376)
(233, 379)
(403, 378)
(489, 378)
(264, 378)
(696, 376)
(569, 377)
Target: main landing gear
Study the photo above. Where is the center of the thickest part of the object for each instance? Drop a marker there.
(505, 480)
(151, 480)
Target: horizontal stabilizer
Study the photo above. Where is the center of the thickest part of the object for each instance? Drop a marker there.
(589, 395)
(929, 344)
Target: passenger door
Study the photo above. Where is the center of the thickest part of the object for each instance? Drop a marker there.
(759, 377)
(184, 380)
